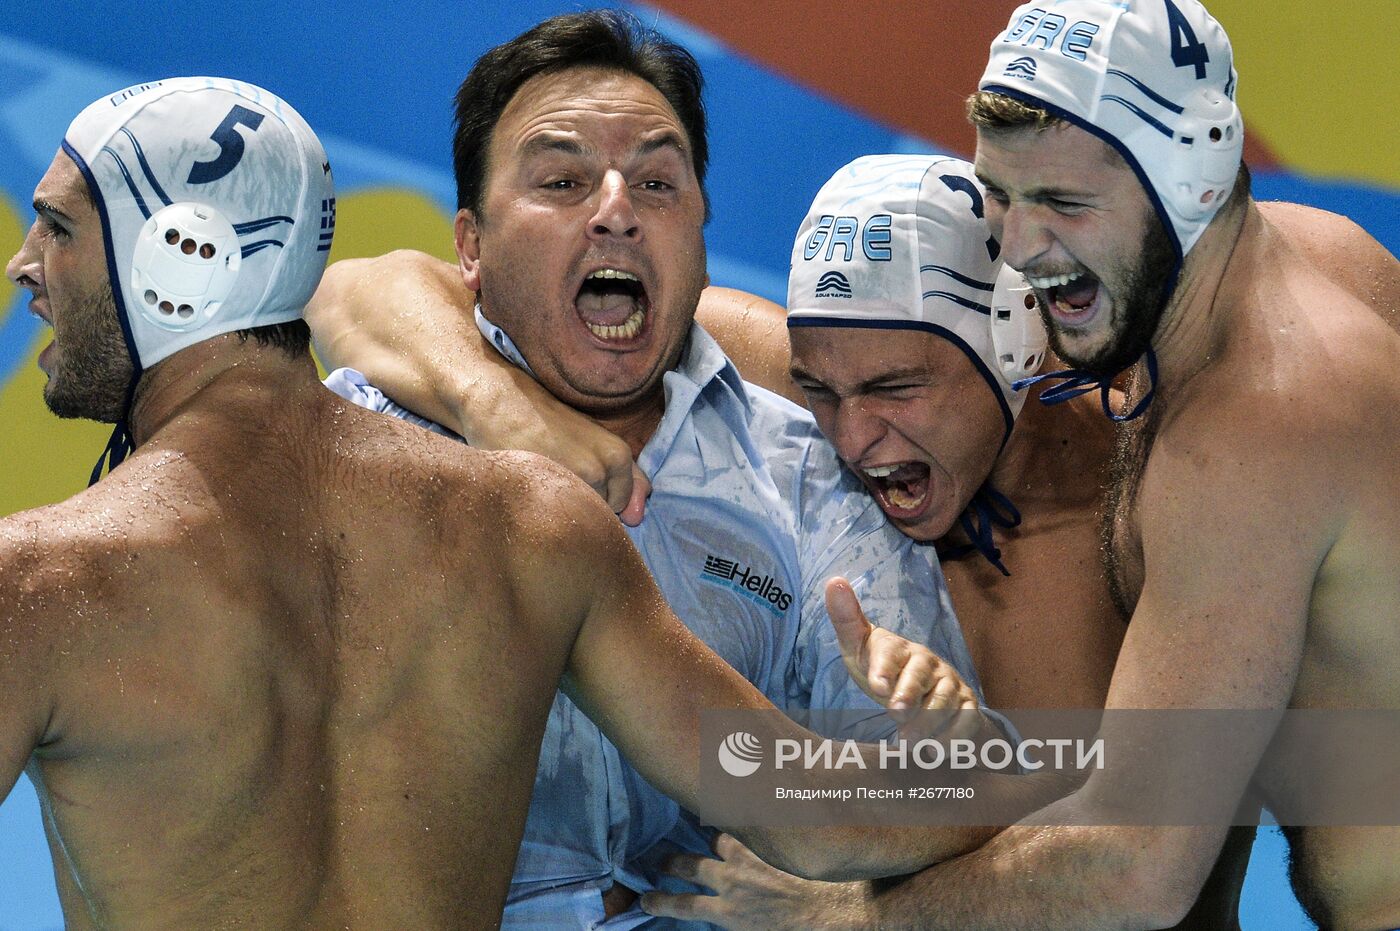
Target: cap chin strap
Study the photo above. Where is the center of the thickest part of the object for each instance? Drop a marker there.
(119, 446)
(1076, 382)
(121, 443)
(988, 508)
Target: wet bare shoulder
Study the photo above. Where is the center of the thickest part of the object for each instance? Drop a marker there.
(62, 572)
(1343, 252)
(1275, 462)
(563, 543)
(482, 511)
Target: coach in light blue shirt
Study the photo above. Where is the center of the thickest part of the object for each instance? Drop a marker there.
(750, 513)
(580, 154)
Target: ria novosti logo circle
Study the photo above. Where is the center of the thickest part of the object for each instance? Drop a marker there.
(740, 754)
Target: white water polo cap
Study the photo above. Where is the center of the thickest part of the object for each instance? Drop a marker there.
(217, 207)
(899, 242)
(1155, 79)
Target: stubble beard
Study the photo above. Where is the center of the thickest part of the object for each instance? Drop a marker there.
(94, 368)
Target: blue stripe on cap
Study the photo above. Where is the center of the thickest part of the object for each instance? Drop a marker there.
(146, 167)
(117, 291)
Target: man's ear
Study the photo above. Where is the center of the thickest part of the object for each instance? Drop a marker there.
(468, 242)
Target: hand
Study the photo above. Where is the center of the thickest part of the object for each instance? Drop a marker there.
(751, 894)
(528, 417)
(902, 675)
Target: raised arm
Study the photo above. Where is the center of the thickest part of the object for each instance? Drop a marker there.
(405, 320)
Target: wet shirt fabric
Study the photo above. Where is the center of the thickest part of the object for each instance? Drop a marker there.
(750, 513)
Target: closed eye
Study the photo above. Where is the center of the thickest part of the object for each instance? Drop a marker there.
(887, 390)
(1066, 206)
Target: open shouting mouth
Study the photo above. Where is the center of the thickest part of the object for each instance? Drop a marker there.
(902, 489)
(613, 305)
(1073, 298)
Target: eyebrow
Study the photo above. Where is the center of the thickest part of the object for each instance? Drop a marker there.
(544, 143)
(907, 373)
(666, 140)
(42, 206)
(1039, 193)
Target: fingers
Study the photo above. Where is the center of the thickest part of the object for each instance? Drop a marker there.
(888, 655)
(611, 475)
(849, 621)
(916, 685)
(728, 847)
(631, 513)
(693, 868)
(684, 905)
(949, 709)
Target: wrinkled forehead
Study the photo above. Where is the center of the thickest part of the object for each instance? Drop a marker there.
(593, 105)
(1059, 158)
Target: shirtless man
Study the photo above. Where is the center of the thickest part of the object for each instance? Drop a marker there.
(215, 659)
(1256, 559)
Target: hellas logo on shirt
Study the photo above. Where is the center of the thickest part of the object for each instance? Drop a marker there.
(747, 580)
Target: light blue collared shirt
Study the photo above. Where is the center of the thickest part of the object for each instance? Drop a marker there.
(750, 512)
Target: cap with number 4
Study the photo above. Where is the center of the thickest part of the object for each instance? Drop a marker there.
(1155, 79)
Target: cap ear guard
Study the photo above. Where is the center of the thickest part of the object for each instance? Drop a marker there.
(1209, 143)
(1018, 335)
(184, 265)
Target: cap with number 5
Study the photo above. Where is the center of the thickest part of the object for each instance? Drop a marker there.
(217, 208)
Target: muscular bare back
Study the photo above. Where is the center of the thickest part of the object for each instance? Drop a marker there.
(289, 682)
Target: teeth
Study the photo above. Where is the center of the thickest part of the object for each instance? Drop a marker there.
(613, 273)
(1054, 281)
(880, 471)
(899, 499)
(625, 330)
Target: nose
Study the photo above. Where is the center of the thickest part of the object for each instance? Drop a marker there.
(1023, 235)
(616, 217)
(24, 268)
(855, 429)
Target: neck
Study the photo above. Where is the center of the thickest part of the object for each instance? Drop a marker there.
(1195, 320)
(636, 424)
(222, 364)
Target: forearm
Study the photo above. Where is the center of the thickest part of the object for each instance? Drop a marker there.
(405, 320)
(878, 841)
(847, 854)
(1043, 877)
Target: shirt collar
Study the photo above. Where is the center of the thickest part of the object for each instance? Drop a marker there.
(701, 365)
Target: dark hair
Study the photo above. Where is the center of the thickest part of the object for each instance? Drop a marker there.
(292, 337)
(596, 38)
